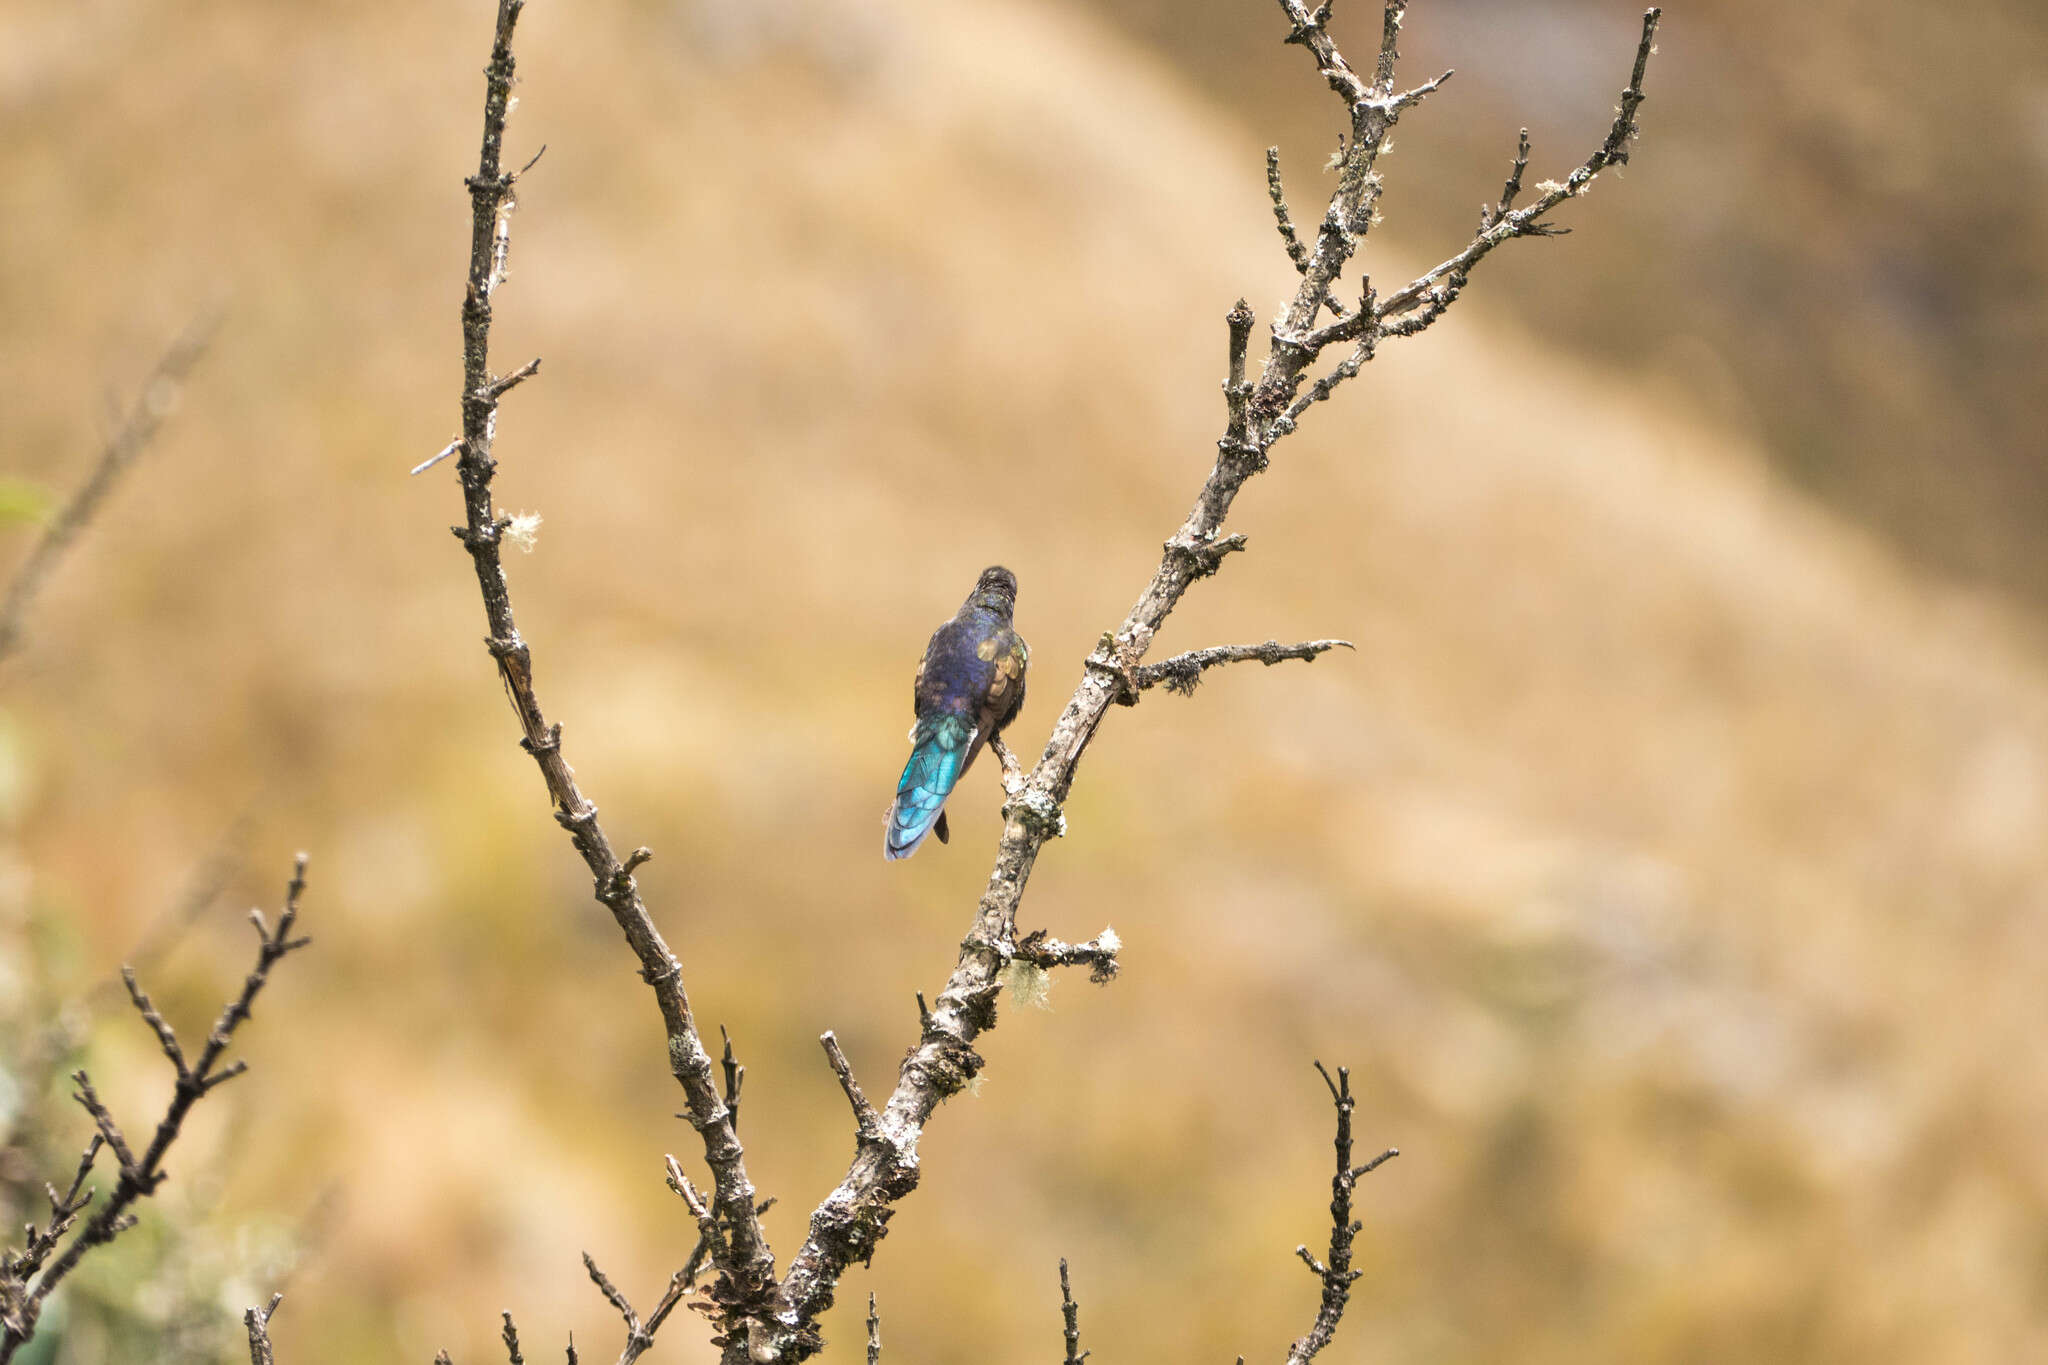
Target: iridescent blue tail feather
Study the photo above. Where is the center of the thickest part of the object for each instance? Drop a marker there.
(939, 752)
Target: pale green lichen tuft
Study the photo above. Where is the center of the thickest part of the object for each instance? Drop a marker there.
(1029, 983)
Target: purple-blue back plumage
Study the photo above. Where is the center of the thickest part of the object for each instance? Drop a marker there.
(968, 687)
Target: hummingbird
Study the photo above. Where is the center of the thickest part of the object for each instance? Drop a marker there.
(969, 686)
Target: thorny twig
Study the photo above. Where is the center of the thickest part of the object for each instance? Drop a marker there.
(760, 1317)
(847, 1224)
(746, 1266)
(1337, 1274)
(28, 1277)
(155, 402)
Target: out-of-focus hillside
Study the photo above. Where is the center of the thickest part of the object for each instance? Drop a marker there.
(1842, 242)
(1665, 863)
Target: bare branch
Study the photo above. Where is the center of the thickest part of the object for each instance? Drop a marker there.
(21, 1301)
(498, 388)
(678, 1285)
(865, 1119)
(708, 1236)
(1013, 771)
(1390, 34)
(1337, 1274)
(1429, 294)
(639, 1335)
(612, 1295)
(1071, 1312)
(452, 448)
(759, 1317)
(1512, 189)
(257, 1320)
(745, 1262)
(1098, 954)
(845, 1224)
(109, 1131)
(511, 1336)
(874, 1332)
(1348, 368)
(18, 1268)
(1289, 238)
(164, 1036)
(1183, 672)
(735, 1077)
(1237, 391)
(145, 416)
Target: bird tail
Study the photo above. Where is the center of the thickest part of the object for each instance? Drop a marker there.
(940, 746)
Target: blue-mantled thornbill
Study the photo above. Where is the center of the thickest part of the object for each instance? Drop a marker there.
(968, 688)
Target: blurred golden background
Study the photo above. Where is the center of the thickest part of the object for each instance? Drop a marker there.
(1666, 863)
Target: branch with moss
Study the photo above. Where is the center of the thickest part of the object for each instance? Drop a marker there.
(1258, 414)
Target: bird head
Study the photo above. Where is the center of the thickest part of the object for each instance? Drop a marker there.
(995, 589)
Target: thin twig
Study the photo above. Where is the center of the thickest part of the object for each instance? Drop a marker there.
(1433, 290)
(511, 1336)
(735, 1077)
(746, 1265)
(1183, 672)
(847, 1223)
(164, 1037)
(146, 414)
(1337, 1274)
(678, 1286)
(257, 1320)
(1098, 954)
(1289, 238)
(1071, 1313)
(639, 1335)
(1013, 771)
(865, 1119)
(17, 1268)
(22, 1300)
(762, 1319)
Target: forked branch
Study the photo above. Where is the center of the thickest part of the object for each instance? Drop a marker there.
(745, 1265)
(1337, 1273)
(762, 1318)
(1258, 414)
(27, 1277)
(257, 1321)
